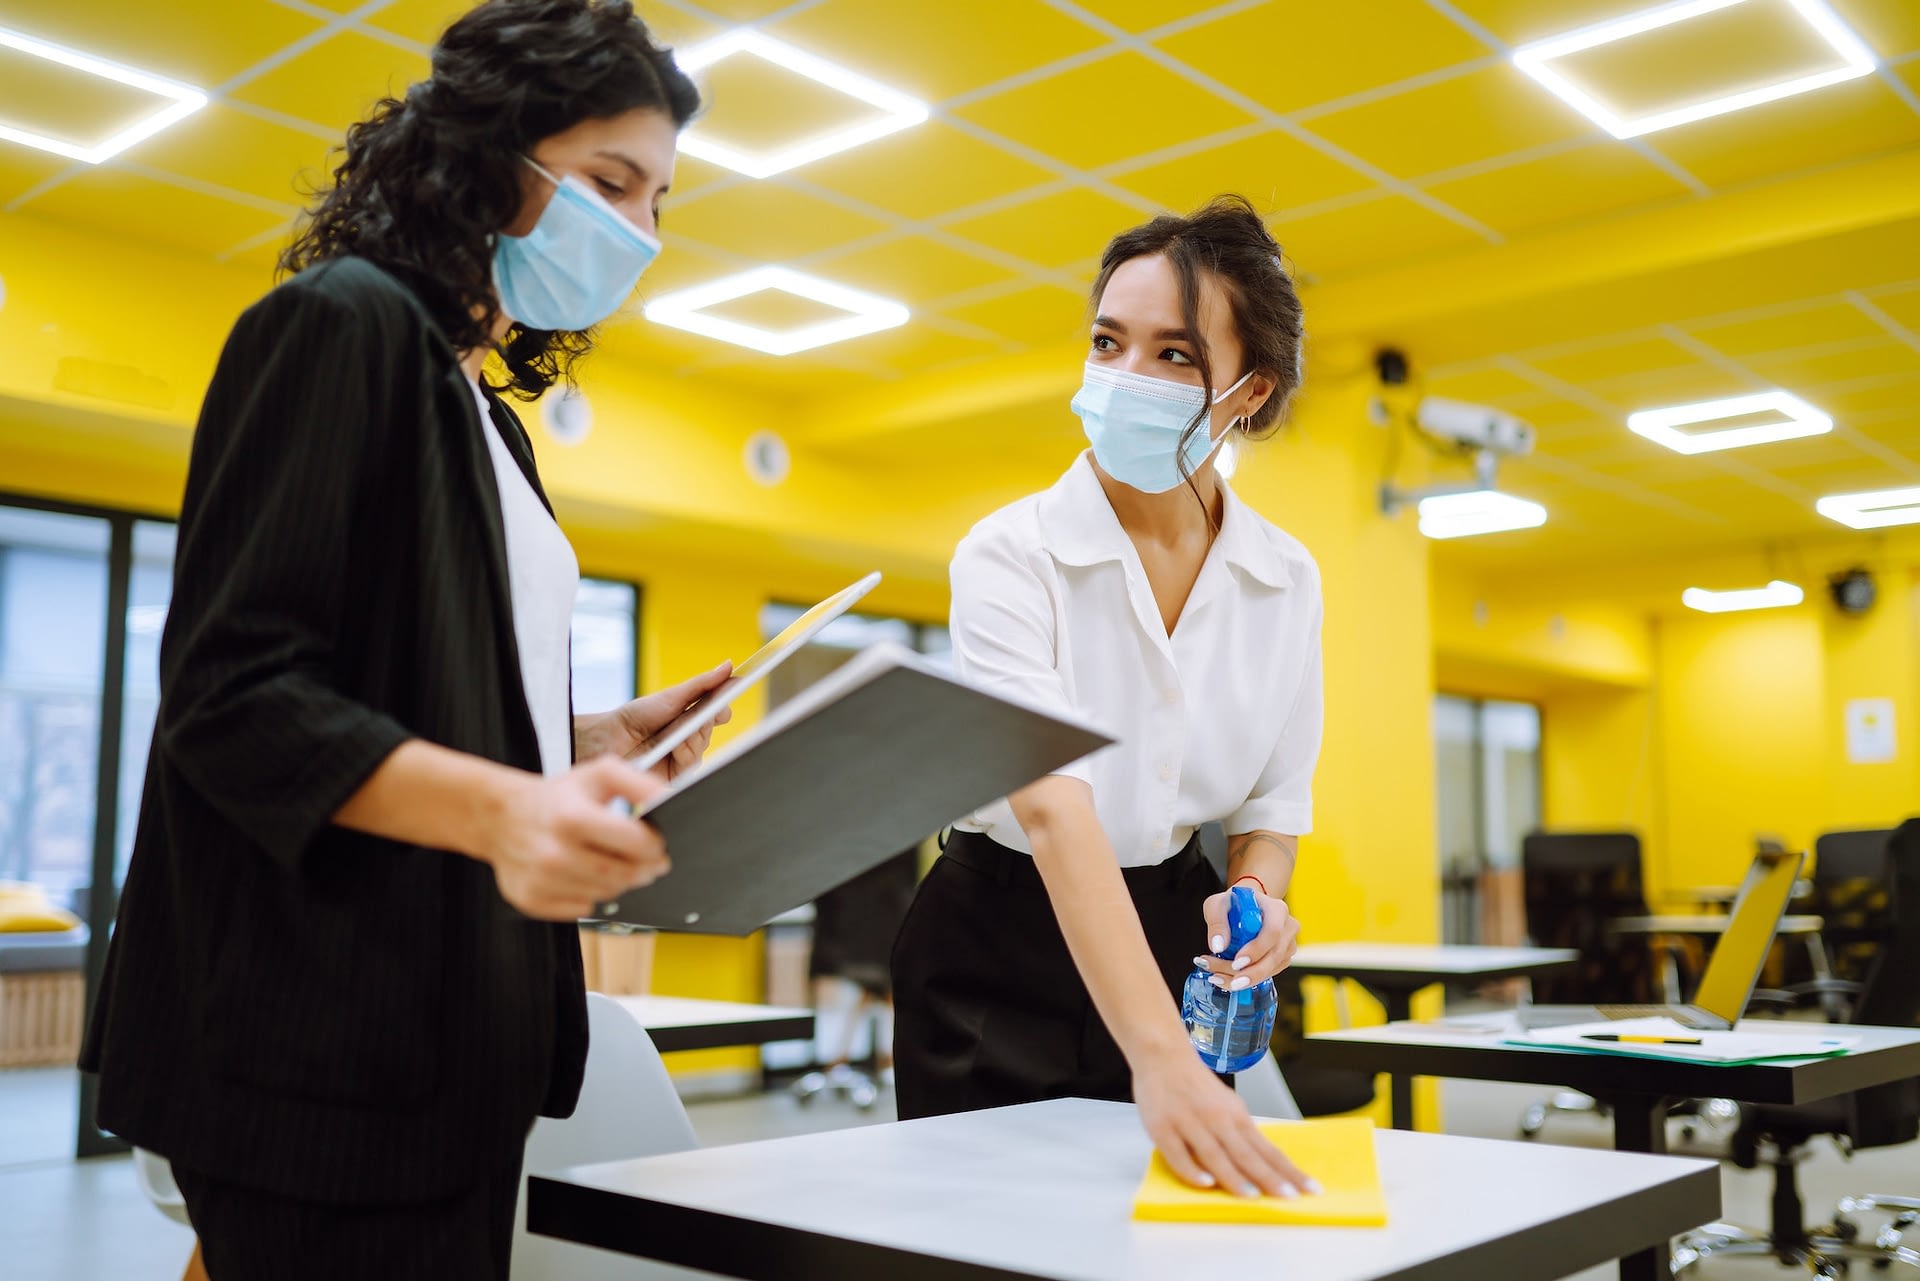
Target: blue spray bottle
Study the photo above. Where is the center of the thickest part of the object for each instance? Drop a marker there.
(1231, 1030)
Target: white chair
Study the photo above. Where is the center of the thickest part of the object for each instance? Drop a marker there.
(628, 1108)
(1265, 1092)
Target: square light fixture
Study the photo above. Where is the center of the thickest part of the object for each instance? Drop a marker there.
(182, 100)
(1478, 511)
(1797, 418)
(1775, 595)
(1535, 59)
(867, 314)
(1873, 510)
(899, 110)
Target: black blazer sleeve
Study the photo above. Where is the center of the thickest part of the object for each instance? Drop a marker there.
(287, 446)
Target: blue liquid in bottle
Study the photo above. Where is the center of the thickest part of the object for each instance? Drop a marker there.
(1231, 1030)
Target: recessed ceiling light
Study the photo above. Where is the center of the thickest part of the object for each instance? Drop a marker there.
(900, 111)
(1479, 511)
(1798, 418)
(1875, 510)
(1774, 595)
(182, 100)
(867, 313)
(1534, 59)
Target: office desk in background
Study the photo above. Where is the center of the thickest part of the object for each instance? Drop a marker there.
(1393, 972)
(1638, 1089)
(681, 1023)
(1044, 1192)
(1805, 928)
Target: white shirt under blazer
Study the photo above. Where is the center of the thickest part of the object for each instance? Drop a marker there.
(1220, 721)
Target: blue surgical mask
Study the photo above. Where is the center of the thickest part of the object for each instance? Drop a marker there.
(577, 265)
(1134, 424)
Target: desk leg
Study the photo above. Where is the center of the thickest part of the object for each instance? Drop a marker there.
(1399, 1006)
(1640, 1125)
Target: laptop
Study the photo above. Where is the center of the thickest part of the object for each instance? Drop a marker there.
(1732, 970)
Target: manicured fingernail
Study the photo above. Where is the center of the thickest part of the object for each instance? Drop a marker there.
(1218, 982)
(1241, 984)
(1242, 962)
(1201, 960)
(1249, 1191)
(1313, 1187)
(1288, 1191)
(1204, 1180)
(1217, 943)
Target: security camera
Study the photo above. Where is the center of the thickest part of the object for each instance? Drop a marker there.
(1475, 426)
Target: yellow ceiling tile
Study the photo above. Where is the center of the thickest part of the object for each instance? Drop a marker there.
(1274, 170)
(1873, 396)
(1339, 55)
(757, 106)
(1805, 373)
(1840, 476)
(1909, 72)
(23, 168)
(1142, 16)
(1700, 59)
(691, 174)
(1459, 121)
(926, 170)
(425, 20)
(1803, 327)
(1519, 22)
(1106, 111)
(56, 101)
(747, 10)
(1616, 359)
(1054, 231)
(336, 82)
(225, 147)
(913, 270)
(122, 205)
(1840, 122)
(1372, 233)
(1039, 315)
(916, 348)
(1685, 385)
(655, 350)
(776, 310)
(769, 223)
(263, 258)
(202, 42)
(1597, 179)
(681, 266)
(1892, 27)
(1903, 306)
(935, 51)
(1481, 386)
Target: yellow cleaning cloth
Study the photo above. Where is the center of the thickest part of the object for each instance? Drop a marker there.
(1337, 1153)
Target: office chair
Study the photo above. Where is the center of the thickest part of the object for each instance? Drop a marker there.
(1313, 1090)
(1575, 884)
(1879, 1117)
(1852, 895)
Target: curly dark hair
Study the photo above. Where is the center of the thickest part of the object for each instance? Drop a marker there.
(428, 181)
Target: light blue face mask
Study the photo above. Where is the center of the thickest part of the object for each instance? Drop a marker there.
(577, 265)
(1134, 424)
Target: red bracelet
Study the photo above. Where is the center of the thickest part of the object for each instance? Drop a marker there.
(1249, 876)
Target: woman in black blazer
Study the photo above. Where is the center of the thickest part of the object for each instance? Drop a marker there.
(345, 978)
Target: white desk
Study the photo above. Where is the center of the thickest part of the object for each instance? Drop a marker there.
(681, 1023)
(1395, 971)
(1044, 1192)
(1636, 1088)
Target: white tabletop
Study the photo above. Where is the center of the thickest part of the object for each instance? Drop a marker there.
(655, 1012)
(1046, 1191)
(1442, 960)
(1704, 924)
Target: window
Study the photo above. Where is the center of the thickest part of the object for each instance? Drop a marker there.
(606, 630)
(1487, 755)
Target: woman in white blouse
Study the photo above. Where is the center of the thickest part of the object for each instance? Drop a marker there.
(1044, 954)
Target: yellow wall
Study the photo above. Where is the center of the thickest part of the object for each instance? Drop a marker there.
(1700, 732)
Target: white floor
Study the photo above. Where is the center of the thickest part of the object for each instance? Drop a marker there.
(62, 1220)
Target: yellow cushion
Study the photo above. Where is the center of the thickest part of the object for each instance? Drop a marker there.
(29, 916)
(1335, 1152)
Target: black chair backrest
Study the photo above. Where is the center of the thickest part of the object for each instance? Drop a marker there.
(1890, 1114)
(1576, 883)
(1853, 895)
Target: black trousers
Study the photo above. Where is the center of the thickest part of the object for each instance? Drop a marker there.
(989, 1009)
(249, 1235)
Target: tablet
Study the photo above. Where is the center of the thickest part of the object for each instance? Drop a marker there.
(754, 670)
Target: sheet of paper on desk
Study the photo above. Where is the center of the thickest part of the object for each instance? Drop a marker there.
(1714, 1047)
(1336, 1152)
